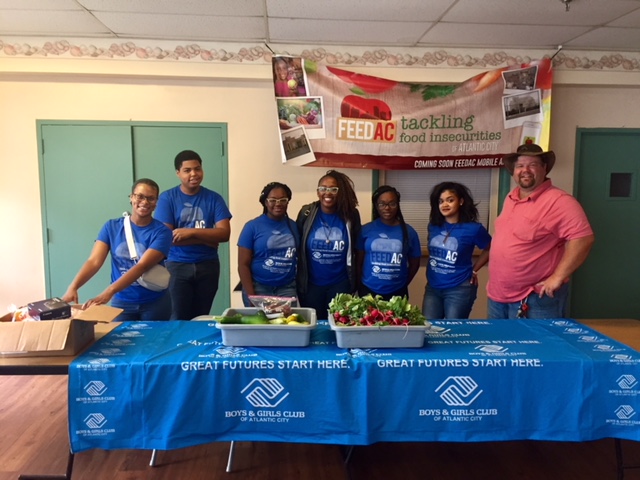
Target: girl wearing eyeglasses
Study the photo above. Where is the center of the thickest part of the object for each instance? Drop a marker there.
(267, 248)
(452, 271)
(388, 248)
(152, 240)
(329, 228)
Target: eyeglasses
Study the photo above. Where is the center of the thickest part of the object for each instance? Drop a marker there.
(277, 201)
(139, 197)
(332, 190)
(387, 205)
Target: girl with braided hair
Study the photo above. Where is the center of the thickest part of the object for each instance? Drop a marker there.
(388, 248)
(329, 228)
(267, 248)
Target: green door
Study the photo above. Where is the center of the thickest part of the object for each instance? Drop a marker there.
(85, 177)
(154, 149)
(87, 170)
(607, 183)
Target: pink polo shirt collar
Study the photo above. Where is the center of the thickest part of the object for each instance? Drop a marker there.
(544, 186)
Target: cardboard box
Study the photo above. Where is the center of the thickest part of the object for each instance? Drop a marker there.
(54, 337)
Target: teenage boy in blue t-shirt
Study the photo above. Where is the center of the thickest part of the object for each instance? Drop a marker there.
(199, 219)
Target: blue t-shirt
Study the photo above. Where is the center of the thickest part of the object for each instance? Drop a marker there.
(327, 247)
(202, 210)
(155, 235)
(451, 250)
(274, 244)
(386, 265)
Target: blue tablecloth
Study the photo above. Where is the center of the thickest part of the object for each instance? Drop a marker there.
(168, 385)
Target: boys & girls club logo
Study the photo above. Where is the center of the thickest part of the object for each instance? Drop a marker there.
(562, 323)
(264, 392)
(98, 361)
(95, 388)
(627, 382)
(459, 391)
(625, 412)
(489, 348)
(575, 330)
(95, 420)
(605, 347)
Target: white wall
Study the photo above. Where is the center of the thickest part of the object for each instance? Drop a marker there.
(254, 159)
(241, 96)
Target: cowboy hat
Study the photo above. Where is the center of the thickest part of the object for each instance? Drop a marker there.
(529, 150)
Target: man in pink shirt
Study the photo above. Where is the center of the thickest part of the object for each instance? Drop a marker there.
(541, 237)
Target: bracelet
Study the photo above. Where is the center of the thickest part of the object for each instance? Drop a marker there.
(474, 273)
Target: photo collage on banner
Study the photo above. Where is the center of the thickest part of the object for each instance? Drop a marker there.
(300, 115)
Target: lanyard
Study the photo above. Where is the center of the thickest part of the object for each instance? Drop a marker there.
(523, 309)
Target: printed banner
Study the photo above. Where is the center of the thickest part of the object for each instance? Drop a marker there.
(331, 117)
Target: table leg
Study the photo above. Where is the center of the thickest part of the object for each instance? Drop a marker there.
(230, 459)
(154, 454)
(66, 476)
(619, 460)
(620, 465)
(347, 454)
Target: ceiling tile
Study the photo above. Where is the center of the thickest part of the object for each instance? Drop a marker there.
(345, 32)
(608, 37)
(40, 22)
(238, 8)
(362, 10)
(540, 12)
(504, 36)
(187, 27)
(630, 20)
(39, 5)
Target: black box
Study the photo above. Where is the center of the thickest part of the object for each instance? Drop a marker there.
(50, 309)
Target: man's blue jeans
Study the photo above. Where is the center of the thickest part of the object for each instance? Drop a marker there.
(193, 287)
(455, 302)
(545, 307)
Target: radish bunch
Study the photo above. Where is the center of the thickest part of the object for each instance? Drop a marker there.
(349, 310)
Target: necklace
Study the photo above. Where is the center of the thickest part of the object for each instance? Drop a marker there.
(444, 242)
(327, 227)
(327, 230)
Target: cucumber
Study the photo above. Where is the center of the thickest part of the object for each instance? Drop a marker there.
(260, 318)
(233, 319)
